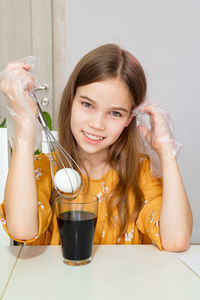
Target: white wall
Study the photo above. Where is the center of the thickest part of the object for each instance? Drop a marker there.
(165, 37)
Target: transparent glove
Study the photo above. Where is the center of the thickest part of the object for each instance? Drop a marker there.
(16, 82)
(156, 130)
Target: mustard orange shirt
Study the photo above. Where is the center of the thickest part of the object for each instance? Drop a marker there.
(144, 230)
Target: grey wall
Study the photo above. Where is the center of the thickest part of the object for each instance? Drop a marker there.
(165, 37)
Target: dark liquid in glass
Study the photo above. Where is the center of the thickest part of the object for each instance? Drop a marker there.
(77, 232)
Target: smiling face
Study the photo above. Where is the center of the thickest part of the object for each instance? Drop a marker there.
(100, 112)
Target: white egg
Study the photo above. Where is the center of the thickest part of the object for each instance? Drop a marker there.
(67, 180)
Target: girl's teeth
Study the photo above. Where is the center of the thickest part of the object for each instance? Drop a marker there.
(93, 137)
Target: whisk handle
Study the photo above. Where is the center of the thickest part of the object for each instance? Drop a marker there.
(41, 117)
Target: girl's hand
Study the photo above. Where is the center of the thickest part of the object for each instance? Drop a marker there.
(158, 132)
(16, 82)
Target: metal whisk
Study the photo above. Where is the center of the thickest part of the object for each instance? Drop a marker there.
(59, 158)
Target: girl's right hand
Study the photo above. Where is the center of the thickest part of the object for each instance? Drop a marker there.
(16, 82)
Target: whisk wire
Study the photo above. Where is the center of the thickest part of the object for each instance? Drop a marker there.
(59, 158)
(57, 163)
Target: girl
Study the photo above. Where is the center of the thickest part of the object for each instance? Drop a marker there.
(97, 126)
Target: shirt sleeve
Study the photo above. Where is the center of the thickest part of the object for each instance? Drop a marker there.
(149, 216)
(44, 190)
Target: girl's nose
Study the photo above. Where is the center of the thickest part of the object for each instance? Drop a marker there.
(97, 122)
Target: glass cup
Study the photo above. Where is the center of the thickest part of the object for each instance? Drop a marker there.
(77, 220)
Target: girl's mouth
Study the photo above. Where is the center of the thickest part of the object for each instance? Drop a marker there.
(93, 137)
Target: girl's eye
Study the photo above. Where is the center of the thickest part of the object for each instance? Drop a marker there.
(87, 105)
(115, 113)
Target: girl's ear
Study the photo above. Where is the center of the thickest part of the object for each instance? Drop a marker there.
(129, 119)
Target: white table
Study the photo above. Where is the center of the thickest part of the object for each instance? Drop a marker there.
(8, 258)
(116, 272)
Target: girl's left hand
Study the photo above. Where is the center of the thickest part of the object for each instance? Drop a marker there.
(159, 134)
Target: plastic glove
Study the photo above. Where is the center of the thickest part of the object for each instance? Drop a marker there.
(156, 129)
(16, 82)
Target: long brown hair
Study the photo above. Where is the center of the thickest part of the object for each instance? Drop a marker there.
(110, 61)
